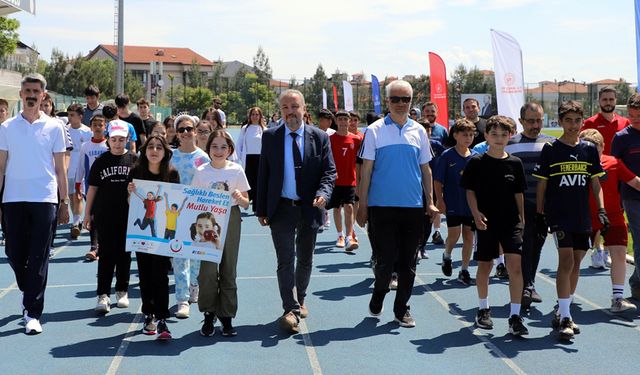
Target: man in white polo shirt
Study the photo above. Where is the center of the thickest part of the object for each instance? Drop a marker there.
(33, 173)
(394, 174)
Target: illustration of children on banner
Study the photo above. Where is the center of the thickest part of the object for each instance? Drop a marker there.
(195, 220)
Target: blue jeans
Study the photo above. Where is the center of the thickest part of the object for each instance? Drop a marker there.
(632, 209)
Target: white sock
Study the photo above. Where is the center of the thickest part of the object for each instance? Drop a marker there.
(515, 309)
(571, 298)
(501, 259)
(348, 238)
(445, 255)
(563, 307)
(76, 219)
(618, 291)
(483, 303)
(341, 233)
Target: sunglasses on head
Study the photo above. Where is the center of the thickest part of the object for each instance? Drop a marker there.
(185, 129)
(398, 99)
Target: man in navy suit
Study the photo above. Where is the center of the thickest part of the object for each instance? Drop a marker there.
(295, 181)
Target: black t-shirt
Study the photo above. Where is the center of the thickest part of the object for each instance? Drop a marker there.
(148, 125)
(568, 171)
(145, 174)
(481, 125)
(138, 125)
(495, 183)
(109, 173)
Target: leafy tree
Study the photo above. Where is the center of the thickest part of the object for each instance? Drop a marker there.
(193, 99)
(56, 70)
(8, 36)
(217, 82)
(261, 66)
(194, 76)
(624, 92)
(132, 86)
(318, 82)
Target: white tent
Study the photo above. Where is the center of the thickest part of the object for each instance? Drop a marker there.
(12, 6)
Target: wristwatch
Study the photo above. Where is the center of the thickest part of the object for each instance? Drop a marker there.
(65, 201)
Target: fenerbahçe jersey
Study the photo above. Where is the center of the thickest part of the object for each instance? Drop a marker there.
(568, 171)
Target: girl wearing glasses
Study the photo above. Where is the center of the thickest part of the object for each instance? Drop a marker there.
(249, 147)
(186, 158)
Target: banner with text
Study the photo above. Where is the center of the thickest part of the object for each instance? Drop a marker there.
(438, 73)
(507, 62)
(375, 94)
(193, 220)
(347, 90)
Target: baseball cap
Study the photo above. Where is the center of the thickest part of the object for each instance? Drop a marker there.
(118, 129)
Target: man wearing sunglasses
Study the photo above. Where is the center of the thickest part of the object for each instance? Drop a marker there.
(395, 172)
(527, 146)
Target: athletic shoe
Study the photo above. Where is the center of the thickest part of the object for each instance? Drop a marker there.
(75, 232)
(526, 299)
(183, 310)
(393, 284)
(304, 312)
(91, 255)
(566, 329)
(464, 277)
(483, 319)
(621, 305)
(607, 259)
(163, 331)
(597, 259)
(208, 329)
(104, 304)
(447, 268)
(376, 306)
(555, 322)
(227, 327)
(436, 239)
(149, 327)
(406, 320)
(32, 326)
(535, 297)
(351, 244)
(290, 322)
(194, 290)
(123, 300)
(501, 271)
(340, 242)
(516, 326)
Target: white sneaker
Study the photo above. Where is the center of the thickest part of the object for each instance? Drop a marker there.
(620, 305)
(104, 304)
(393, 284)
(597, 259)
(607, 259)
(123, 300)
(32, 326)
(194, 290)
(183, 310)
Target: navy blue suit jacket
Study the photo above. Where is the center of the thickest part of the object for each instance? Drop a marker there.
(318, 172)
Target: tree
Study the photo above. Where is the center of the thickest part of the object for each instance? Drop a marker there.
(217, 81)
(194, 77)
(261, 66)
(9, 37)
(624, 92)
(193, 99)
(56, 71)
(318, 82)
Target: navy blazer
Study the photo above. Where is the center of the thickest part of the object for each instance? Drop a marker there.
(318, 172)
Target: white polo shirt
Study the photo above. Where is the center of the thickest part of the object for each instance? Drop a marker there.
(30, 173)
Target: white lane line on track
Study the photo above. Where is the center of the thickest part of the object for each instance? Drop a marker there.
(117, 359)
(496, 351)
(310, 349)
(594, 305)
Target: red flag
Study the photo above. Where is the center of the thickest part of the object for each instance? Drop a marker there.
(438, 74)
(335, 96)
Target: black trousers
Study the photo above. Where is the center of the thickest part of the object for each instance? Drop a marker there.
(395, 233)
(28, 229)
(531, 249)
(251, 170)
(113, 257)
(153, 271)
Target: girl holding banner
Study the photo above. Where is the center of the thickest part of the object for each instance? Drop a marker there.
(153, 270)
(218, 290)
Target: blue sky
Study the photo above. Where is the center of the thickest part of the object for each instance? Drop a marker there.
(583, 40)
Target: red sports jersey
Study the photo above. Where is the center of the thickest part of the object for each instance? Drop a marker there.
(606, 128)
(345, 149)
(150, 208)
(616, 172)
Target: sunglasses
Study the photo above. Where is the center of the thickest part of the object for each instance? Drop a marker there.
(398, 99)
(185, 129)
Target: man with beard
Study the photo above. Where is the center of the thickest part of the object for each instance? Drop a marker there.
(295, 181)
(33, 174)
(607, 122)
(471, 109)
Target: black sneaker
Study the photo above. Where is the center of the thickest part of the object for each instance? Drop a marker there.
(227, 327)
(436, 239)
(566, 329)
(516, 326)
(464, 277)
(555, 322)
(526, 299)
(163, 331)
(446, 266)
(149, 327)
(483, 319)
(406, 320)
(535, 297)
(208, 328)
(376, 304)
(501, 271)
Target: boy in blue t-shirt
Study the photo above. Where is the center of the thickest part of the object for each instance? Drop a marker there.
(451, 198)
(567, 168)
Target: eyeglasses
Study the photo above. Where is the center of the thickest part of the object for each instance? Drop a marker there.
(185, 129)
(532, 121)
(398, 99)
(202, 131)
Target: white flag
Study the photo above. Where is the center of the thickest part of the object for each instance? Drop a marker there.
(348, 96)
(324, 99)
(507, 62)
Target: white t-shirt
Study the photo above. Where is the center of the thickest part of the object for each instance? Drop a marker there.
(249, 142)
(230, 178)
(78, 138)
(88, 154)
(30, 173)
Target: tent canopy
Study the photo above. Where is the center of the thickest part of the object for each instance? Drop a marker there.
(12, 6)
